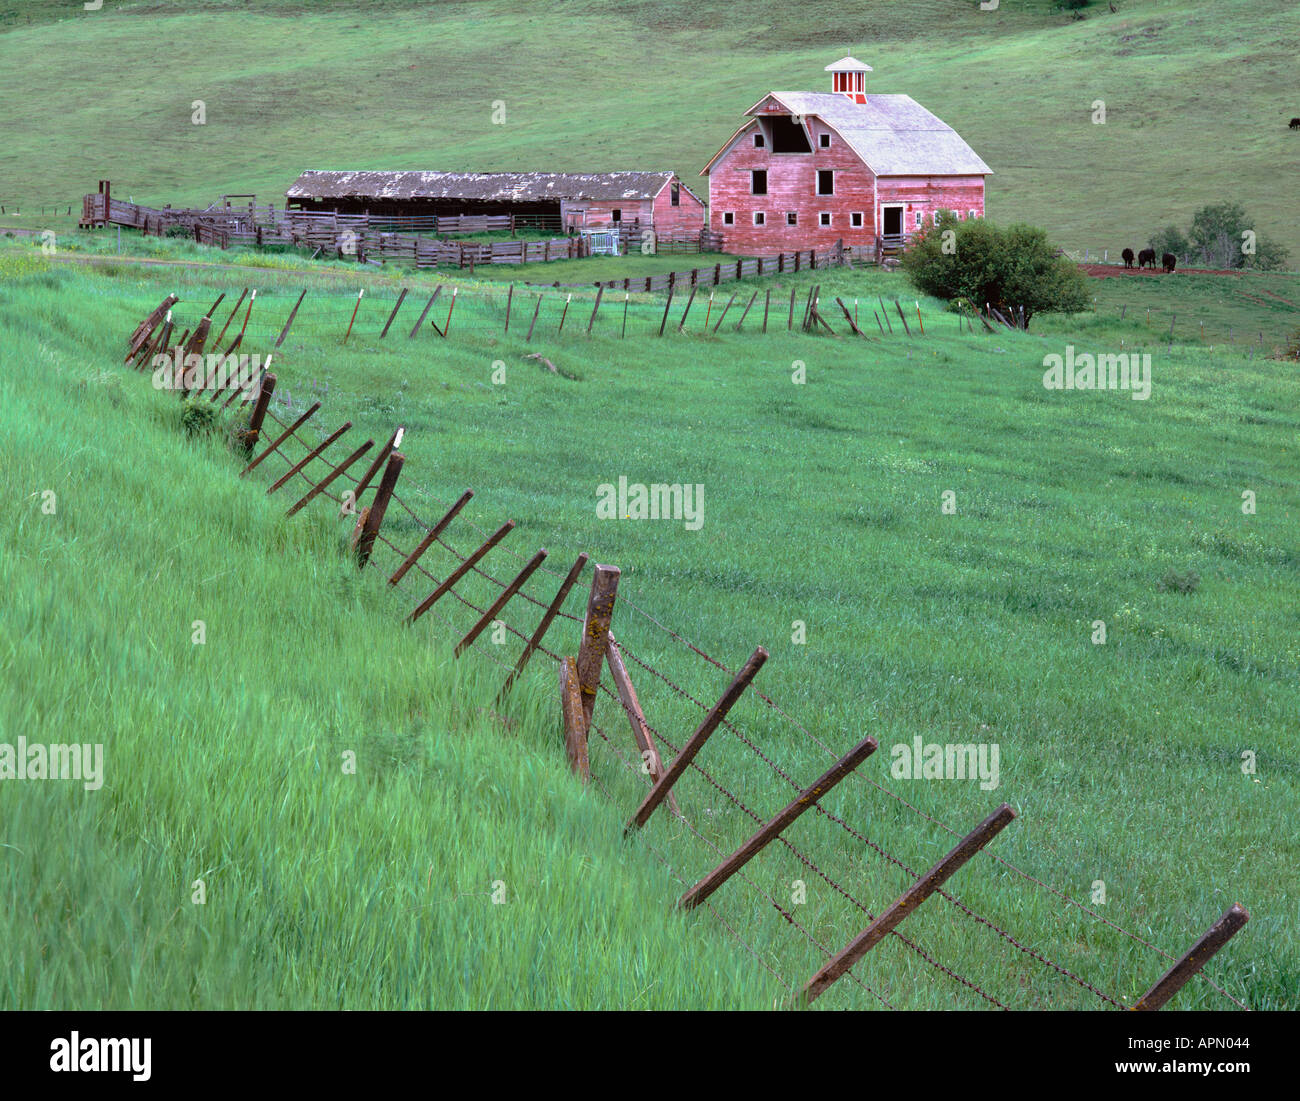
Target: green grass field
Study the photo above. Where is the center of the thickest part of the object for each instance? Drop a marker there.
(822, 505)
(825, 465)
(1196, 107)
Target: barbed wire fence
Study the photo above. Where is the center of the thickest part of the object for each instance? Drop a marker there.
(596, 642)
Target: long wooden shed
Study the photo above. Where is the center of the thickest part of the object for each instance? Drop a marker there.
(550, 200)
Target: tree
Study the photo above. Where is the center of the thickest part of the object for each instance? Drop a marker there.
(1223, 235)
(1010, 267)
(1171, 239)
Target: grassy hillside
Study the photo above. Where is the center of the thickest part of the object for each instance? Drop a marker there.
(822, 505)
(223, 760)
(1197, 95)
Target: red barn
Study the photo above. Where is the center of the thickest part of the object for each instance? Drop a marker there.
(813, 168)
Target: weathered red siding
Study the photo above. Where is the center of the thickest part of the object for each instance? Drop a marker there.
(792, 186)
(927, 195)
(685, 218)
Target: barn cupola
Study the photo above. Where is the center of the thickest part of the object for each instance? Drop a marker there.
(849, 78)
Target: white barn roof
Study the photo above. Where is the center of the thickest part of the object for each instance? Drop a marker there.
(893, 134)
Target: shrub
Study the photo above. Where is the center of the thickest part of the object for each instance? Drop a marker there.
(198, 416)
(1174, 582)
(1009, 267)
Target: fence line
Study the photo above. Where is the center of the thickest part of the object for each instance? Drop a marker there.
(370, 520)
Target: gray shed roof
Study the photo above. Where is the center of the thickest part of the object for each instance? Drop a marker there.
(481, 186)
(893, 134)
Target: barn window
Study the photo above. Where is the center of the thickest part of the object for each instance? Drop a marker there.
(677, 194)
(788, 136)
(616, 215)
(758, 139)
(728, 217)
(970, 215)
(826, 182)
(855, 219)
(824, 140)
(824, 218)
(760, 218)
(758, 181)
(791, 218)
(920, 218)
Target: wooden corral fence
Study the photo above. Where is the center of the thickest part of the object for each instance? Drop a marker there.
(344, 236)
(662, 757)
(367, 237)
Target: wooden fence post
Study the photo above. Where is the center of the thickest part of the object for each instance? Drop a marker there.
(711, 723)
(254, 429)
(1197, 957)
(789, 325)
(501, 601)
(394, 442)
(536, 309)
(682, 323)
(368, 527)
(591, 321)
(651, 762)
(667, 304)
(906, 903)
(461, 570)
(354, 314)
(282, 437)
(725, 308)
(748, 307)
(805, 801)
(428, 306)
(547, 619)
(595, 634)
(510, 294)
(314, 453)
(320, 487)
(575, 726)
(400, 299)
(292, 314)
(430, 536)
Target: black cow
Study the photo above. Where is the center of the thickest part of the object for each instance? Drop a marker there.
(1147, 258)
(1127, 256)
(1295, 124)
(1169, 261)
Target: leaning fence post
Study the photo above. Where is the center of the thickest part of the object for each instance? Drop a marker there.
(1197, 957)
(254, 429)
(652, 762)
(575, 726)
(547, 619)
(387, 324)
(595, 634)
(461, 570)
(325, 482)
(906, 903)
(369, 527)
(429, 537)
(805, 801)
(292, 314)
(314, 453)
(501, 601)
(282, 437)
(711, 723)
